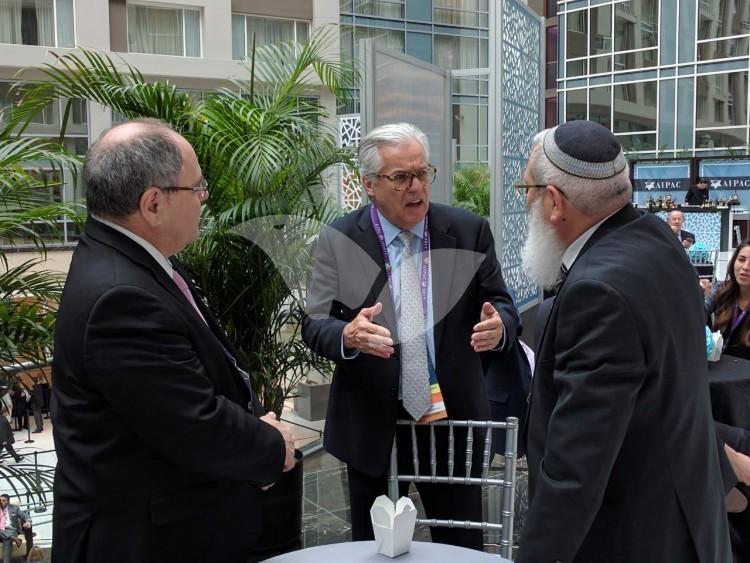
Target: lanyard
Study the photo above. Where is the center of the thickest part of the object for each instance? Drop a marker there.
(737, 318)
(425, 254)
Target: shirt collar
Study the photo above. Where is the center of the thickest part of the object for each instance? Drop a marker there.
(390, 231)
(162, 260)
(572, 252)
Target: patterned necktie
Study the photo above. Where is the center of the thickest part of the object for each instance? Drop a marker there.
(415, 378)
(183, 287)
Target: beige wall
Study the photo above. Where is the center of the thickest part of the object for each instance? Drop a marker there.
(299, 9)
(56, 260)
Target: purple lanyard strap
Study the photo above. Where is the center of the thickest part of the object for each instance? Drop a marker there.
(425, 254)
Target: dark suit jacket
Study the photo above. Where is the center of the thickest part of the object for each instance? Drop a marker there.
(157, 452)
(363, 404)
(687, 235)
(623, 459)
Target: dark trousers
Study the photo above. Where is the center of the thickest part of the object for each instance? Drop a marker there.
(8, 446)
(460, 502)
(21, 418)
(39, 425)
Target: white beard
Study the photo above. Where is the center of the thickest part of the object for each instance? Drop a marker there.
(543, 251)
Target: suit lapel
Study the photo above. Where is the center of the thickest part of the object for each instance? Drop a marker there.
(110, 237)
(442, 270)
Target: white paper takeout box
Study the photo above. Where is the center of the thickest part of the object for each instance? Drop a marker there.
(393, 526)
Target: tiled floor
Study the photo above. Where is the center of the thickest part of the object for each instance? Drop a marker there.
(326, 517)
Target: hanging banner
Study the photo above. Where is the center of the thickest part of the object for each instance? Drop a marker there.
(726, 174)
(661, 176)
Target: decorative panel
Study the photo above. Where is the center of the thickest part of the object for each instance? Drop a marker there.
(519, 119)
(350, 132)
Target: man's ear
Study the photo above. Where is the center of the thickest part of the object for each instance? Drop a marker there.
(369, 188)
(151, 203)
(559, 204)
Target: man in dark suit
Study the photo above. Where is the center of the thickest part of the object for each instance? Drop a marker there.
(363, 307)
(36, 402)
(623, 457)
(162, 446)
(675, 220)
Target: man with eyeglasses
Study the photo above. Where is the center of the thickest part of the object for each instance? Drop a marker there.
(406, 299)
(622, 452)
(162, 446)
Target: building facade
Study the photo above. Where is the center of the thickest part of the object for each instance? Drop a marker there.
(668, 77)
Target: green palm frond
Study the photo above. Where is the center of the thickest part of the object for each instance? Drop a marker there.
(94, 76)
(471, 189)
(264, 148)
(26, 318)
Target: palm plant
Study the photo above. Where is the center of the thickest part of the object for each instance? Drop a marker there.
(27, 293)
(263, 148)
(471, 188)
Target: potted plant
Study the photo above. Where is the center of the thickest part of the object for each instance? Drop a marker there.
(263, 148)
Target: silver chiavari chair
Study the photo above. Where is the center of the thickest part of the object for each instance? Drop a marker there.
(507, 483)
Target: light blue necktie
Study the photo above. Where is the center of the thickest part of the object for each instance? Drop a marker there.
(415, 378)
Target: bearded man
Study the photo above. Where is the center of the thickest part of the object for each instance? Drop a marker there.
(623, 458)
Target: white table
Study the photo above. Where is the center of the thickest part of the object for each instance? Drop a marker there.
(365, 551)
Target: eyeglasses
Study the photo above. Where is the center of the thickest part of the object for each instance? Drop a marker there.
(403, 180)
(523, 188)
(201, 189)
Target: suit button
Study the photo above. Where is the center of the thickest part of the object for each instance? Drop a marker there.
(250, 406)
(392, 391)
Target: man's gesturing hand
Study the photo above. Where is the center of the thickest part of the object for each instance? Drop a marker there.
(364, 335)
(488, 332)
(286, 432)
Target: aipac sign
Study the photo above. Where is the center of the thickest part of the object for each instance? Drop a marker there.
(661, 185)
(729, 183)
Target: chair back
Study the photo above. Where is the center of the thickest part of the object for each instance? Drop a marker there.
(507, 483)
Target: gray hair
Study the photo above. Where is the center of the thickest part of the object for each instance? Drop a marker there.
(117, 173)
(589, 196)
(370, 161)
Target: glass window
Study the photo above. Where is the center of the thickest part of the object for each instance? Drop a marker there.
(726, 48)
(575, 104)
(468, 13)
(387, 38)
(635, 107)
(601, 30)
(269, 31)
(163, 31)
(723, 18)
(637, 59)
(419, 45)
(393, 9)
(637, 143)
(576, 35)
(238, 37)
(600, 103)
(576, 68)
(636, 24)
(725, 98)
(35, 22)
(734, 137)
(601, 64)
(666, 114)
(455, 52)
(64, 24)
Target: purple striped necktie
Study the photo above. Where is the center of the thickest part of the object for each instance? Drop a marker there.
(183, 287)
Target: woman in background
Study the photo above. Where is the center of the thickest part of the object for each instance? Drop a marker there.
(731, 304)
